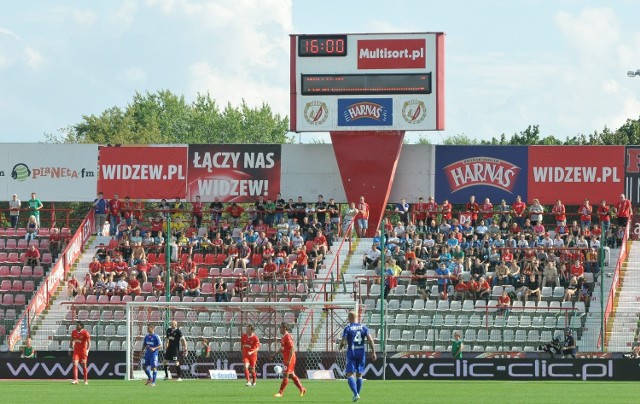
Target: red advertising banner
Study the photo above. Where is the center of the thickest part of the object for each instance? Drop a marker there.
(573, 173)
(392, 53)
(142, 172)
(234, 173)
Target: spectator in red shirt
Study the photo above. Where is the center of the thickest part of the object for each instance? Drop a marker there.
(460, 290)
(321, 241)
(504, 302)
(270, 269)
(518, 211)
(158, 287)
(192, 285)
(472, 208)
(32, 256)
(585, 211)
(604, 216)
(235, 211)
(73, 287)
(134, 288)
(115, 206)
(446, 210)
(559, 212)
(577, 269)
(484, 289)
(623, 211)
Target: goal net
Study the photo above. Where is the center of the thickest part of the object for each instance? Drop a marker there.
(316, 328)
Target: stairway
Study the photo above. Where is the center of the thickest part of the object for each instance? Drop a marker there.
(49, 322)
(627, 311)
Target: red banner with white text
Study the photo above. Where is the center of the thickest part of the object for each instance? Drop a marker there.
(142, 172)
(573, 173)
(234, 172)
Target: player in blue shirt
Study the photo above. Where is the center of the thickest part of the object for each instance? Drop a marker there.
(151, 346)
(353, 337)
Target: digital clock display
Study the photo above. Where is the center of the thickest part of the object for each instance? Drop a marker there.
(355, 84)
(322, 45)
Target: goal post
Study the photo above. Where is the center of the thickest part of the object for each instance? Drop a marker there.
(315, 326)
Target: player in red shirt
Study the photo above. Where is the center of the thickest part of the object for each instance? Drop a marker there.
(287, 347)
(80, 342)
(250, 345)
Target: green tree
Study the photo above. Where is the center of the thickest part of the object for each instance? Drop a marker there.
(164, 118)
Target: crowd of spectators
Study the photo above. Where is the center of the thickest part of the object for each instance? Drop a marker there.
(267, 240)
(523, 247)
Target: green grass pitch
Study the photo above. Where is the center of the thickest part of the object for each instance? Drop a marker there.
(415, 392)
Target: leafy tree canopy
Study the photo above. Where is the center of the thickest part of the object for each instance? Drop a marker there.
(164, 118)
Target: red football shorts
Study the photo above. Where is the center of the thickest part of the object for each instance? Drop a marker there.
(79, 356)
(251, 360)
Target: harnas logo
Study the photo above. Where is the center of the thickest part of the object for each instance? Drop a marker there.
(365, 112)
(482, 171)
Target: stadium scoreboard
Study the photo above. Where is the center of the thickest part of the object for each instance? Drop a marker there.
(364, 82)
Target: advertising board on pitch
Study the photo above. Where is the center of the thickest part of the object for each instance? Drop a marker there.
(494, 172)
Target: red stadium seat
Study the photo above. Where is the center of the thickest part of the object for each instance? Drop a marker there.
(5, 286)
(3, 257)
(16, 286)
(38, 271)
(3, 243)
(203, 272)
(198, 258)
(21, 232)
(147, 288)
(20, 300)
(27, 271)
(15, 272)
(256, 260)
(151, 258)
(4, 271)
(23, 244)
(11, 244)
(47, 258)
(220, 258)
(207, 289)
(13, 258)
(23, 257)
(28, 286)
(44, 232)
(35, 243)
(161, 258)
(7, 300)
(210, 259)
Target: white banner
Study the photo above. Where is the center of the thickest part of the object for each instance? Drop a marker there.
(55, 172)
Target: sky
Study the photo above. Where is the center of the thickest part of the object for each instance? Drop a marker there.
(559, 64)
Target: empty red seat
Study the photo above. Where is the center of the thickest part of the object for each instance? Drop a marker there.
(151, 258)
(27, 271)
(210, 259)
(47, 258)
(4, 271)
(28, 286)
(147, 288)
(3, 257)
(16, 286)
(15, 272)
(207, 288)
(198, 258)
(7, 300)
(20, 300)
(11, 244)
(38, 271)
(23, 244)
(203, 272)
(220, 258)
(5, 285)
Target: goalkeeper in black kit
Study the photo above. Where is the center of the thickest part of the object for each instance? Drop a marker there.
(172, 354)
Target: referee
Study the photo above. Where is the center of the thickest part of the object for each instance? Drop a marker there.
(172, 352)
